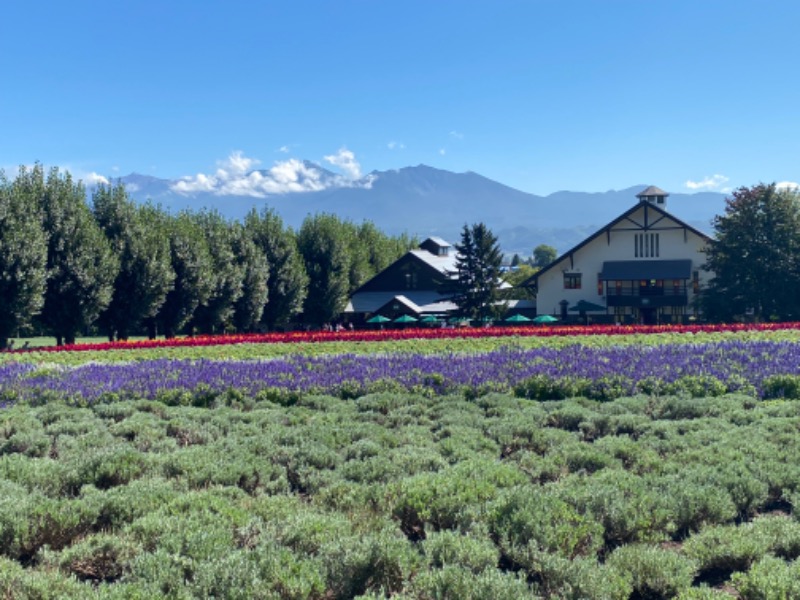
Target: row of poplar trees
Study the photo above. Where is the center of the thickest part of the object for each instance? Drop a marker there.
(124, 268)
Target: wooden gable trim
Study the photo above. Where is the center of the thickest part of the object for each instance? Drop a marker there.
(626, 216)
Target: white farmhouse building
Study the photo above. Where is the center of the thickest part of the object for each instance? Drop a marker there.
(643, 267)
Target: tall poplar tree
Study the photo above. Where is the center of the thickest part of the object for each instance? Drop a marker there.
(249, 308)
(191, 262)
(226, 275)
(139, 237)
(287, 283)
(323, 243)
(81, 265)
(23, 251)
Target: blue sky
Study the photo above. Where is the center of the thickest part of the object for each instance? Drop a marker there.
(539, 95)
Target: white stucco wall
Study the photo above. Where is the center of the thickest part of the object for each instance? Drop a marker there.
(674, 244)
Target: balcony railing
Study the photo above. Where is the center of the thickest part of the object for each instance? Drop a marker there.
(647, 296)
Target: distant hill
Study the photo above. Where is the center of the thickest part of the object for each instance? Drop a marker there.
(425, 201)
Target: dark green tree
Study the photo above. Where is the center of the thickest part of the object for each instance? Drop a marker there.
(249, 308)
(755, 259)
(140, 239)
(81, 265)
(477, 276)
(227, 275)
(191, 262)
(287, 283)
(543, 255)
(325, 248)
(23, 251)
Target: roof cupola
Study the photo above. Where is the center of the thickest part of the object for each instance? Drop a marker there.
(653, 195)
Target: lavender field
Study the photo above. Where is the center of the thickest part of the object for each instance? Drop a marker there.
(646, 469)
(605, 372)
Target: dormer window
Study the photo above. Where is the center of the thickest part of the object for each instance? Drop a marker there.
(436, 246)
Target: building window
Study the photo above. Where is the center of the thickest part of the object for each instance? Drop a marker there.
(411, 281)
(572, 281)
(646, 245)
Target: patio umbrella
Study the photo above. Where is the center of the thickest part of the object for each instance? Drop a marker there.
(518, 319)
(457, 320)
(584, 306)
(406, 319)
(429, 319)
(545, 319)
(378, 319)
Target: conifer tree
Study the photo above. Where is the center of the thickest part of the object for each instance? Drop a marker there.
(477, 276)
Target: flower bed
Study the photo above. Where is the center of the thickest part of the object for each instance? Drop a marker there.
(601, 372)
(417, 333)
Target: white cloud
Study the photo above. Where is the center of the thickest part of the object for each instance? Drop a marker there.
(788, 185)
(346, 161)
(442, 151)
(396, 145)
(457, 135)
(707, 183)
(236, 176)
(93, 179)
(284, 149)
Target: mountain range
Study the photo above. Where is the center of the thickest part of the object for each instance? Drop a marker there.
(424, 201)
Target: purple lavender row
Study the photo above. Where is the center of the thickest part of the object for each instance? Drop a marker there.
(727, 361)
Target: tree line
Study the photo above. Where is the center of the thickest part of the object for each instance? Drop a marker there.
(68, 266)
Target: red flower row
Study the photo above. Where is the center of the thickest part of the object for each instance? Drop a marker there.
(416, 333)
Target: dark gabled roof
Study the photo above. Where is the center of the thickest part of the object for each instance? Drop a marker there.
(443, 265)
(437, 241)
(630, 270)
(652, 191)
(602, 230)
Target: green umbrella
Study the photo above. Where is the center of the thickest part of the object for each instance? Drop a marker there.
(429, 319)
(406, 319)
(518, 319)
(378, 319)
(545, 319)
(584, 306)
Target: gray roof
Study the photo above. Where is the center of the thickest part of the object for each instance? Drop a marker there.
(438, 241)
(444, 264)
(421, 301)
(629, 270)
(652, 191)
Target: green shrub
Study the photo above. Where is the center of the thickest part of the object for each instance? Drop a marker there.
(580, 579)
(610, 387)
(723, 549)
(473, 551)
(17, 583)
(529, 522)
(769, 579)
(629, 507)
(698, 386)
(781, 386)
(100, 557)
(359, 564)
(653, 572)
(457, 582)
(542, 387)
(454, 497)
